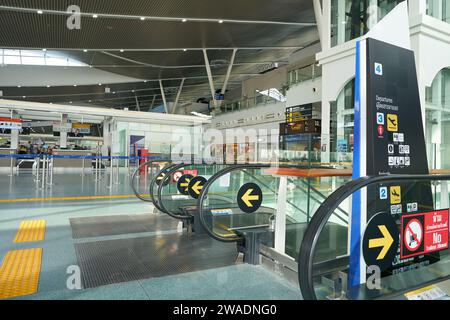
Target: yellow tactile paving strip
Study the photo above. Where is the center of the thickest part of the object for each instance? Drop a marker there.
(19, 273)
(75, 198)
(30, 231)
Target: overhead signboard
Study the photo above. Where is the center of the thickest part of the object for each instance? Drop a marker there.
(11, 124)
(82, 128)
(62, 127)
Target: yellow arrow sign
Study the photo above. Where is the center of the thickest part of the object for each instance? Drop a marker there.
(197, 187)
(385, 242)
(161, 177)
(186, 184)
(248, 197)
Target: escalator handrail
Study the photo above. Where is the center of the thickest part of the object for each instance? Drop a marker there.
(169, 173)
(133, 178)
(205, 189)
(152, 186)
(324, 212)
(216, 176)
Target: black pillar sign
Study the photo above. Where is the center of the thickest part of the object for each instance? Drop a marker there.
(183, 183)
(196, 186)
(249, 197)
(389, 139)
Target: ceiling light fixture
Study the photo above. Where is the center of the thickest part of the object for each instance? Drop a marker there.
(84, 50)
(184, 50)
(19, 86)
(99, 84)
(95, 16)
(45, 50)
(184, 20)
(40, 12)
(74, 85)
(220, 21)
(48, 86)
(121, 50)
(142, 18)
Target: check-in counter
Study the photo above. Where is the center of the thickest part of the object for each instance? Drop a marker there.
(72, 163)
(6, 162)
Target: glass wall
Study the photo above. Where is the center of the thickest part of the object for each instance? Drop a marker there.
(438, 121)
(351, 19)
(439, 9)
(342, 123)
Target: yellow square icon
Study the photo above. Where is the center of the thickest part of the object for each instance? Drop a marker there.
(392, 122)
(396, 195)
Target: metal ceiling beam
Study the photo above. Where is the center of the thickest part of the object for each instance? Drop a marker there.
(154, 18)
(163, 96)
(137, 103)
(175, 104)
(151, 65)
(230, 67)
(120, 115)
(210, 78)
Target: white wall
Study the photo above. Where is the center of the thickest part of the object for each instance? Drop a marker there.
(304, 92)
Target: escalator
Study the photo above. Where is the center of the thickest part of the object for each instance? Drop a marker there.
(343, 271)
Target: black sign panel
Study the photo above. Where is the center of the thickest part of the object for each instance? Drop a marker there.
(249, 197)
(381, 240)
(196, 186)
(183, 184)
(395, 138)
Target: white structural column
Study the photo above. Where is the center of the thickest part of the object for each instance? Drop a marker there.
(280, 221)
(230, 67)
(373, 14)
(163, 96)
(319, 19)
(210, 78)
(63, 133)
(326, 24)
(342, 19)
(175, 104)
(417, 7)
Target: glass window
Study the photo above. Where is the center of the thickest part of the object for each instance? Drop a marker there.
(351, 19)
(439, 9)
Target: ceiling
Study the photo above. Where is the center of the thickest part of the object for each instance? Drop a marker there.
(146, 40)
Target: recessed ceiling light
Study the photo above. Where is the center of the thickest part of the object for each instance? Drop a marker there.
(40, 12)
(184, 50)
(19, 86)
(145, 81)
(99, 84)
(24, 97)
(132, 91)
(70, 101)
(220, 21)
(90, 101)
(184, 20)
(84, 50)
(95, 16)
(74, 85)
(142, 18)
(48, 86)
(44, 50)
(114, 92)
(121, 50)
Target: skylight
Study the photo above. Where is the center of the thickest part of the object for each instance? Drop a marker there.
(37, 58)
